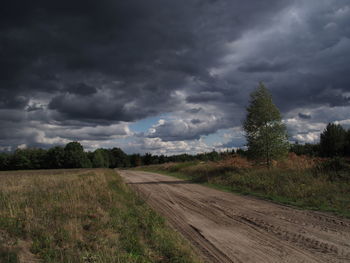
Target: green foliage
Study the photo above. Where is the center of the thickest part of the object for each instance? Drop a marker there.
(265, 133)
(147, 159)
(242, 152)
(118, 158)
(347, 144)
(99, 160)
(305, 149)
(20, 160)
(71, 156)
(8, 256)
(75, 157)
(55, 157)
(335, 169)
(36, 157)
(4, 161)
(332, 140)
(135, 160)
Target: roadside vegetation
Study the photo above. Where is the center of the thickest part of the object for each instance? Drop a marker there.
(302, 181)
(266, 170)
(83, 216)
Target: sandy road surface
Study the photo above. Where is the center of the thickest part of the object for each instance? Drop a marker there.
(231, 228)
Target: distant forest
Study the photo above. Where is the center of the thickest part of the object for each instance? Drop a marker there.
(334, 142)
(74, 156)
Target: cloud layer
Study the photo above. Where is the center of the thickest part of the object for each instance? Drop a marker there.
(89, 69)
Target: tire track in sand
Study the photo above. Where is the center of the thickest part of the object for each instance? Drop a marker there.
(225, 227)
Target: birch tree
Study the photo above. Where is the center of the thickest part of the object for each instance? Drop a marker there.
(265, 133)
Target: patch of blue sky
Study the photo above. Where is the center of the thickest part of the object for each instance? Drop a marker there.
(145, 124)
(212, 139)
(236, 140)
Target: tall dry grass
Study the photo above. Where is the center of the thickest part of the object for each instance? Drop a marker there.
(81, 216)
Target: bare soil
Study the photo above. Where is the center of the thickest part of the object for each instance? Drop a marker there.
(226, 227)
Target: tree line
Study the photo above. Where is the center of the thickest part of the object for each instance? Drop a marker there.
(72, 155)
(334, 142)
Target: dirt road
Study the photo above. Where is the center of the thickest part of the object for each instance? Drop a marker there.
(225, 227)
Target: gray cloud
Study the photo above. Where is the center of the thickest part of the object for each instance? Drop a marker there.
(304, 116)
(264, 66)
(13, 102)
(205, 96)
(196, 121)
(82, 89)
(179, 130)
(98, 63)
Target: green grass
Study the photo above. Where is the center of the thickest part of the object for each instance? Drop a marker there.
(303, 188)
(8, 256)
(82, 216)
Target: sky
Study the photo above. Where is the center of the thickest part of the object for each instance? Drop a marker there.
(166, 76)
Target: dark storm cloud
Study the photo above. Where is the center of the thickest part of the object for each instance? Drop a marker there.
(12, 101)
(205, 96)
(316, 44)
(264, 66)
(42, 42)
(304, 116)
(87, 63)
(196, 121)
(82, 89)
(92, 108)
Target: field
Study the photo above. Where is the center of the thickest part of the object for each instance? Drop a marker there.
(305, 182)
(81, 216)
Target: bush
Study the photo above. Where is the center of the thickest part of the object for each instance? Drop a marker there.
(335, 168)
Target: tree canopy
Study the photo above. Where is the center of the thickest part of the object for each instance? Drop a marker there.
(265, 133)
(333, 140)
(75, 157)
